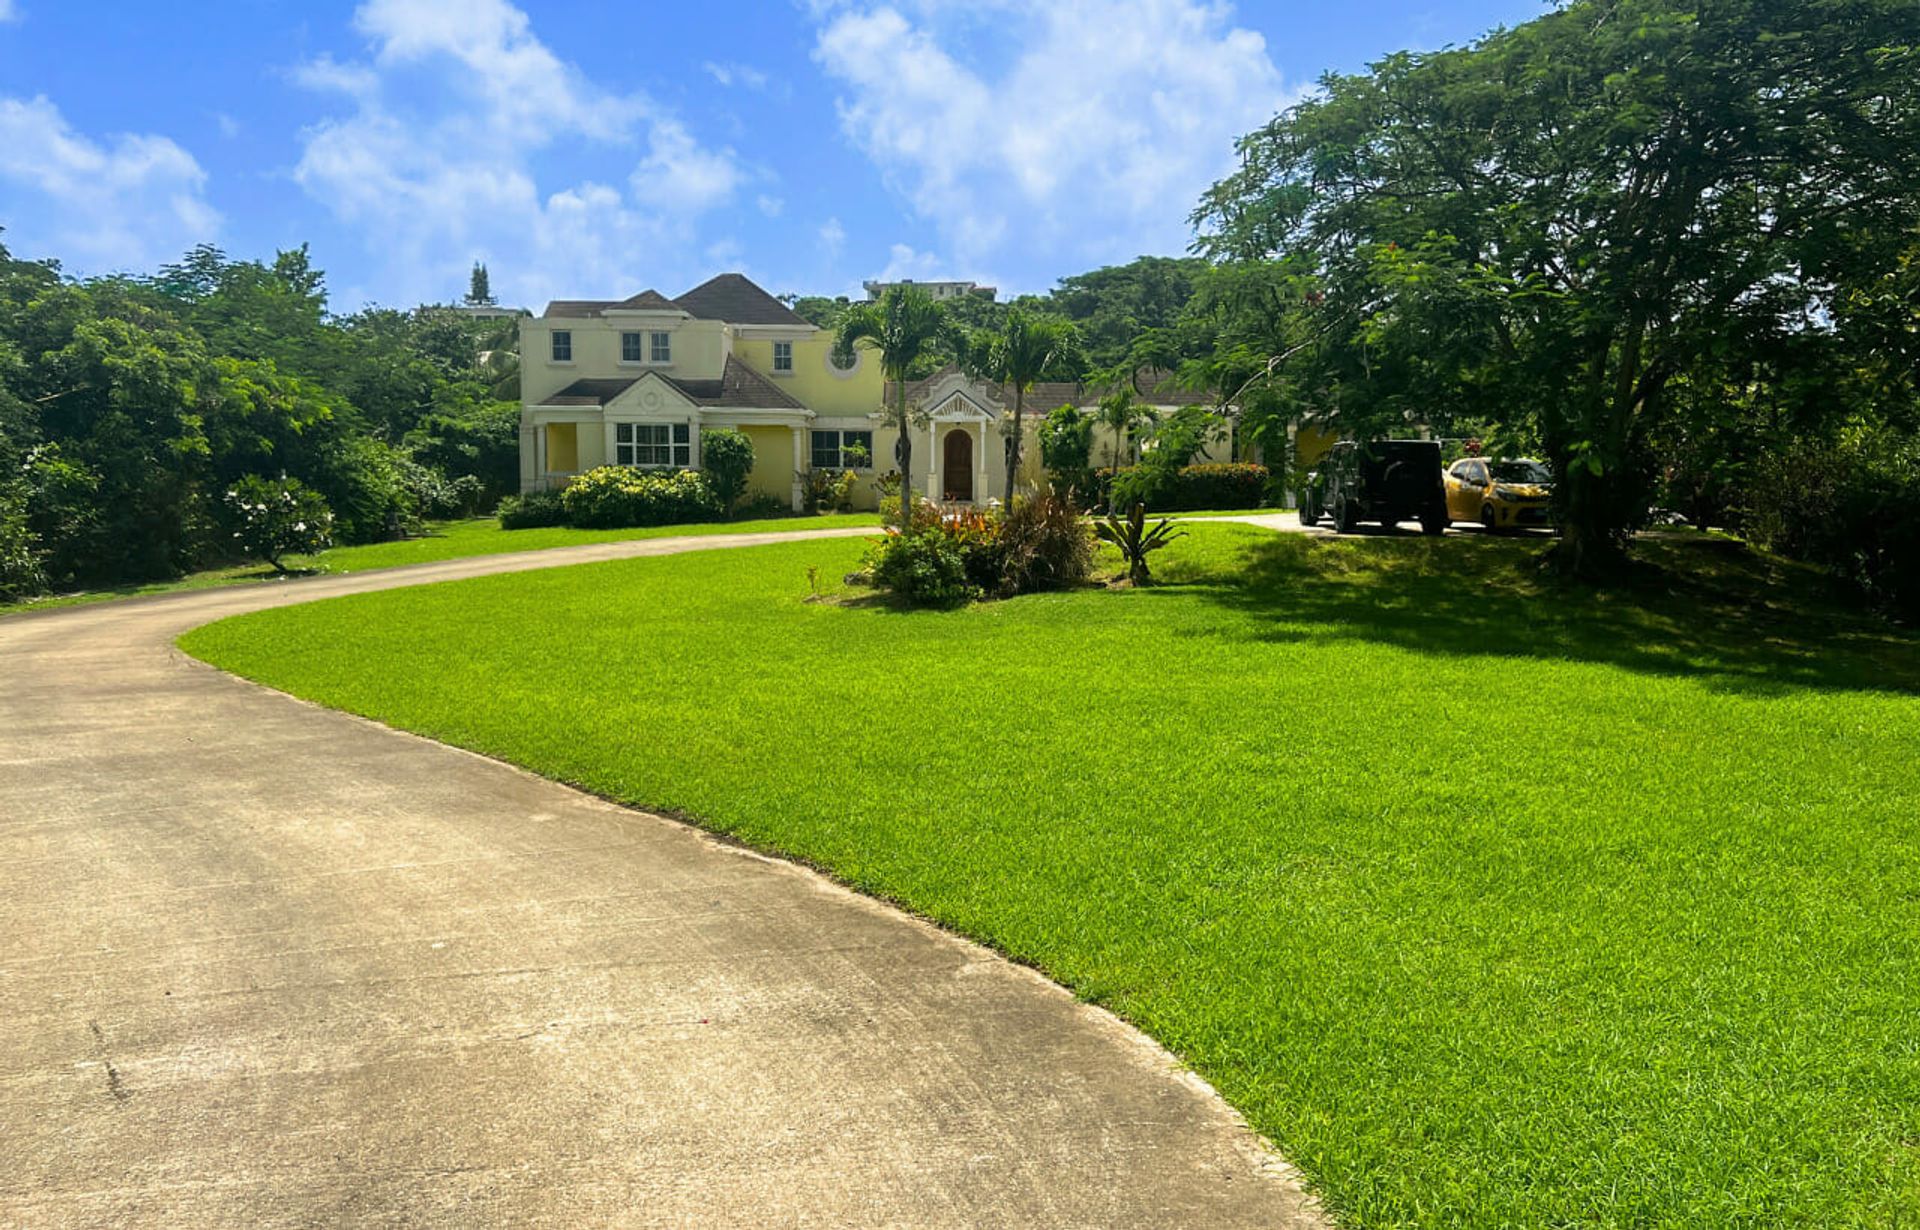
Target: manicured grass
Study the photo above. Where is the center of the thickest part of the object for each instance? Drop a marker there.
(441, 540)
(1491, 903)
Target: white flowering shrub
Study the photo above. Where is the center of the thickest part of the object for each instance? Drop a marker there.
(277, 517)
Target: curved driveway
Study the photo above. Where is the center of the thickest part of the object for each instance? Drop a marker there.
(266, 964)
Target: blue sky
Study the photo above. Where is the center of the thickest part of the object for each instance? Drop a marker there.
(587, 150)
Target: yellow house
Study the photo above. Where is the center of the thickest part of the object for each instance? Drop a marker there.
(632, 382)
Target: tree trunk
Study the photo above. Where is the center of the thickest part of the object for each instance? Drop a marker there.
(906, 454)
(1013, 451)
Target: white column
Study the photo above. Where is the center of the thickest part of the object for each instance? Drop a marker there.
(799, 468)
(935, 445)
(980, 492)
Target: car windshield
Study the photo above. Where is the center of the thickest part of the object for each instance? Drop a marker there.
(1521, 472)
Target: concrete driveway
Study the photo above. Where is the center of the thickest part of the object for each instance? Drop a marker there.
(266, 964)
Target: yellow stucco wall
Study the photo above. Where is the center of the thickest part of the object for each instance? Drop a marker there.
(698, 347)
(772, 462)
(814, 382)
(563, 451)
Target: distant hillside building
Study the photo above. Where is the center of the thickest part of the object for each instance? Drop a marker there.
(938, 290)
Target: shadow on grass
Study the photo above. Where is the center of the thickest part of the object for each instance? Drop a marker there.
(1709, 609)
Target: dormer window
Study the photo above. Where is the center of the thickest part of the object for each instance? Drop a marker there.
(562, 346)
(783, 356)
(661, 347)
(630, 351)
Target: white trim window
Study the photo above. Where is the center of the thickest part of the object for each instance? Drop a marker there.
(840, 450)
(562, 346)
(653, 445)
(630, 349)
(783, 356)
(660, 345)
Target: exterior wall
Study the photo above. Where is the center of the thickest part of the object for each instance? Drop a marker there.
(699, 349)
(563, 450)
(814, 382)
(772, 462)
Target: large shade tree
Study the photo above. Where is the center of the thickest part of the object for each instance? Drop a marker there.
(908, 330)
(1027, 348)
(1562, 221)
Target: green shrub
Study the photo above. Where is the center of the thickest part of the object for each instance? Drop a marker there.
(726, 458)
(1236, 484)
(925, 567)
(1208, 485)
(616, 497)
(22, 571)
(276, 517)
(828, 490)
(534, 510)
(1851, 506)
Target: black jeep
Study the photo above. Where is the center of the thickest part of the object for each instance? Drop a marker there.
(1388, 481)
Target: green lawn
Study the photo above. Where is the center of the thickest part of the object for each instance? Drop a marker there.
(441, 540)
(1491, 904)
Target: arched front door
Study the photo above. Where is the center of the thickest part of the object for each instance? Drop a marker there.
(957, 481)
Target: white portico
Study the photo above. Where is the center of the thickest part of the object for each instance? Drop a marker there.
(962, 419)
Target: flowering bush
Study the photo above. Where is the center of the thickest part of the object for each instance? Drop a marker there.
(614, 497)
(277, 517)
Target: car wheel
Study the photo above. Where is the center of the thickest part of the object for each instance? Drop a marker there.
(1309, 508)
(1490, 522)
(1346, 518)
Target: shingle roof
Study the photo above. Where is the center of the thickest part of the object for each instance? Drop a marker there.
(646, 299)
(739, 388)
(589, 392)
(736, 300)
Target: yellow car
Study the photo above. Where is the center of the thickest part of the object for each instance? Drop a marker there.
(1500, 495)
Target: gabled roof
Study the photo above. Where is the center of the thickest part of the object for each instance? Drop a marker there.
(649, 300)
(733, 298)
(739, 388)
(1042, 399)
(589, 392)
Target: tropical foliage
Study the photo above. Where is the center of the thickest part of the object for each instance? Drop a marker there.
(130, 406)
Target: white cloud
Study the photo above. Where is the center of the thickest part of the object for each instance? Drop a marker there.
(1089, 126)
(744, 75)
(9, 11)
(438, 157)
(770, 205)
(833, 237)
(126, 203)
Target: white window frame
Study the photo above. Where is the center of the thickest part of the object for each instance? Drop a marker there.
(659, 346)
(783, 358)
(816, 452)
(558, 340)
(653, 446)
(639, 352)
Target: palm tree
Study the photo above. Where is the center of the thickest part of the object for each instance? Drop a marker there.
(905, 326)
(1120, 412)
(1027, 348)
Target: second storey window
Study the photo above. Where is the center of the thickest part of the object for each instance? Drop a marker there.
(562, 346)
(653, 444)
(842, 450)
(662, 347)
(630, 351)
(783, 356)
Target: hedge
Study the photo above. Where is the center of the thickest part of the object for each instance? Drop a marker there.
(1213, 485)
(615, 497)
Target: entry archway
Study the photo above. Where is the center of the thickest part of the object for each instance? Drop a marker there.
(956, 479)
